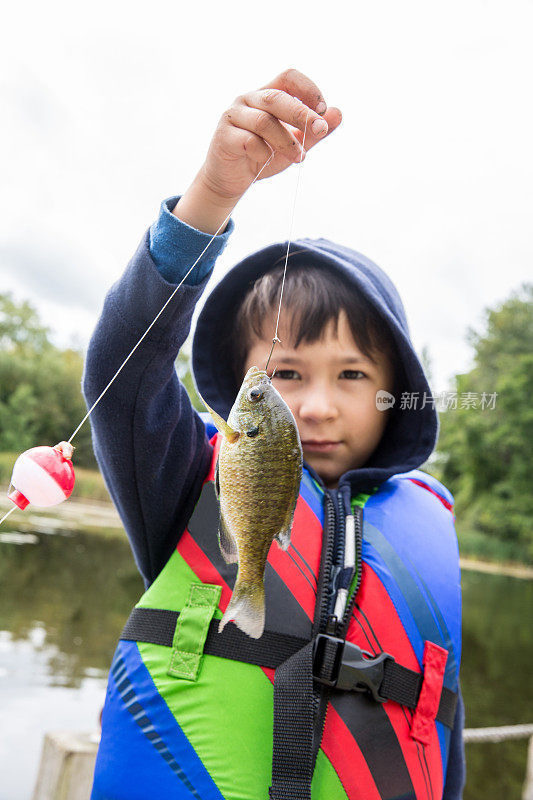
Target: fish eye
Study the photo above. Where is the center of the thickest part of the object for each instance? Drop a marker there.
(255, 394)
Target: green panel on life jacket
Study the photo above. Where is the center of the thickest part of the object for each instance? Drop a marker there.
(326, 784)
(227, 714)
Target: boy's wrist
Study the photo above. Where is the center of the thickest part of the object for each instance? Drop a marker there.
(201, 208)
(175, 246)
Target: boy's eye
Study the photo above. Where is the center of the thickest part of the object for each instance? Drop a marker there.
(352, 374)
(286, 374)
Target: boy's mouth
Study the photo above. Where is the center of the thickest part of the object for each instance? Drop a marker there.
(319, 446)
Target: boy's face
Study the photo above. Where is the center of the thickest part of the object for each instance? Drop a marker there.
(330, 387)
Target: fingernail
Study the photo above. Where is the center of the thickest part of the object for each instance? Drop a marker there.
(319, 127)
(321, 107)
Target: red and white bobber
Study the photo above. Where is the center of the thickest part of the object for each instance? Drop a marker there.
(43, 476)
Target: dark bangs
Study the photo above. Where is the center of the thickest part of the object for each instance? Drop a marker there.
(312, 298)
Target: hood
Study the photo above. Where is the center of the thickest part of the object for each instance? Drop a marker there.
(410, 435)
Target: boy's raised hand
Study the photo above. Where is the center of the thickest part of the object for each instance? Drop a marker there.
(266, 121)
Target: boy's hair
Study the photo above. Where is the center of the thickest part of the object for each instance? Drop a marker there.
(314, 296)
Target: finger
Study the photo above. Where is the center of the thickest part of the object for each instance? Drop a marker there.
(286, 108)
(299, 85)
(267, 127)
(256, 147)
(238, 141)
(332, 116)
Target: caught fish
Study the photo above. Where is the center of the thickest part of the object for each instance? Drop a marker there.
(259, 470)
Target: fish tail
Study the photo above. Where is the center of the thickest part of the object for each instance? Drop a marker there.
(246, 608)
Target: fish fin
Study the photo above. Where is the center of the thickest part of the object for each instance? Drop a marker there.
(283, 538)
(227, 544)
(247, 609)
(221, 425)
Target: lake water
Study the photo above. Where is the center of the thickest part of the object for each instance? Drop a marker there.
(65, 597)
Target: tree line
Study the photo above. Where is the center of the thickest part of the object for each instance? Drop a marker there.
(486, 455)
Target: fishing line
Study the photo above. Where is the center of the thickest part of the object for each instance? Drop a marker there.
(166, 304)
(275, 339)
(14, 508)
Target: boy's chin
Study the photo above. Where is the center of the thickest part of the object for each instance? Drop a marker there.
(330, 473)
(329, 470)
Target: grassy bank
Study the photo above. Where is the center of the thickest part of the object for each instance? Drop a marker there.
(478, 544)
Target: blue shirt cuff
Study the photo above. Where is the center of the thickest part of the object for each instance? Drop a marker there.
(175, 246)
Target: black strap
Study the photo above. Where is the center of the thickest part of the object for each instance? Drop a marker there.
(403, 686)
(391, 681)
(157, 626)
(293, 753)
(286, 652)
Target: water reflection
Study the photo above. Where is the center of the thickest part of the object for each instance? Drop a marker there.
(78, 590)
(64, 599)
(496, 678)
(32, 703)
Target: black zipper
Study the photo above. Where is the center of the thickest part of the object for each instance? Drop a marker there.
(333, 555)
(328, 552)
(321, 694)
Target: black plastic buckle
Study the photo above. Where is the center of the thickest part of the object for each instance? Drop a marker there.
(352, 669)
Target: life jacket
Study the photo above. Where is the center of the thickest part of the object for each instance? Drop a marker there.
(184, 719)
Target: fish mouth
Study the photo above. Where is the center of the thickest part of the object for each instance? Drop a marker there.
(256, 376)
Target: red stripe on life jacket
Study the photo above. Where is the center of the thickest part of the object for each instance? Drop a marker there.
(306, 536)
(288, 571)
(216, 441)
(387, 627)
(443, 500)
(202, 567)
(346, 758)
(388, 630)
(422, 762)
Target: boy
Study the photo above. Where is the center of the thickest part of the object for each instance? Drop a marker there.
(191, 712)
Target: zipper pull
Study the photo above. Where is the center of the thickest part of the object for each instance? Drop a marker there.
(331, 625)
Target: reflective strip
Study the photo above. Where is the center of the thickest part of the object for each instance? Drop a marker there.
(349, 546)
(340, 603)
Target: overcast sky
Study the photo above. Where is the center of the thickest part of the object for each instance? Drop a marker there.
(109, 107)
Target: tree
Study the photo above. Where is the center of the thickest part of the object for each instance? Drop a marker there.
(40, 385)
(487, 454)
(20, 326)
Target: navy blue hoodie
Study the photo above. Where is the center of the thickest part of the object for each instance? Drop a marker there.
(150, 444)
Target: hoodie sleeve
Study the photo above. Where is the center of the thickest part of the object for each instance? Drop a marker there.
(149, 442)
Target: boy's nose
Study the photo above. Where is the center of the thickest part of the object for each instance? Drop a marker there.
(318, 406)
